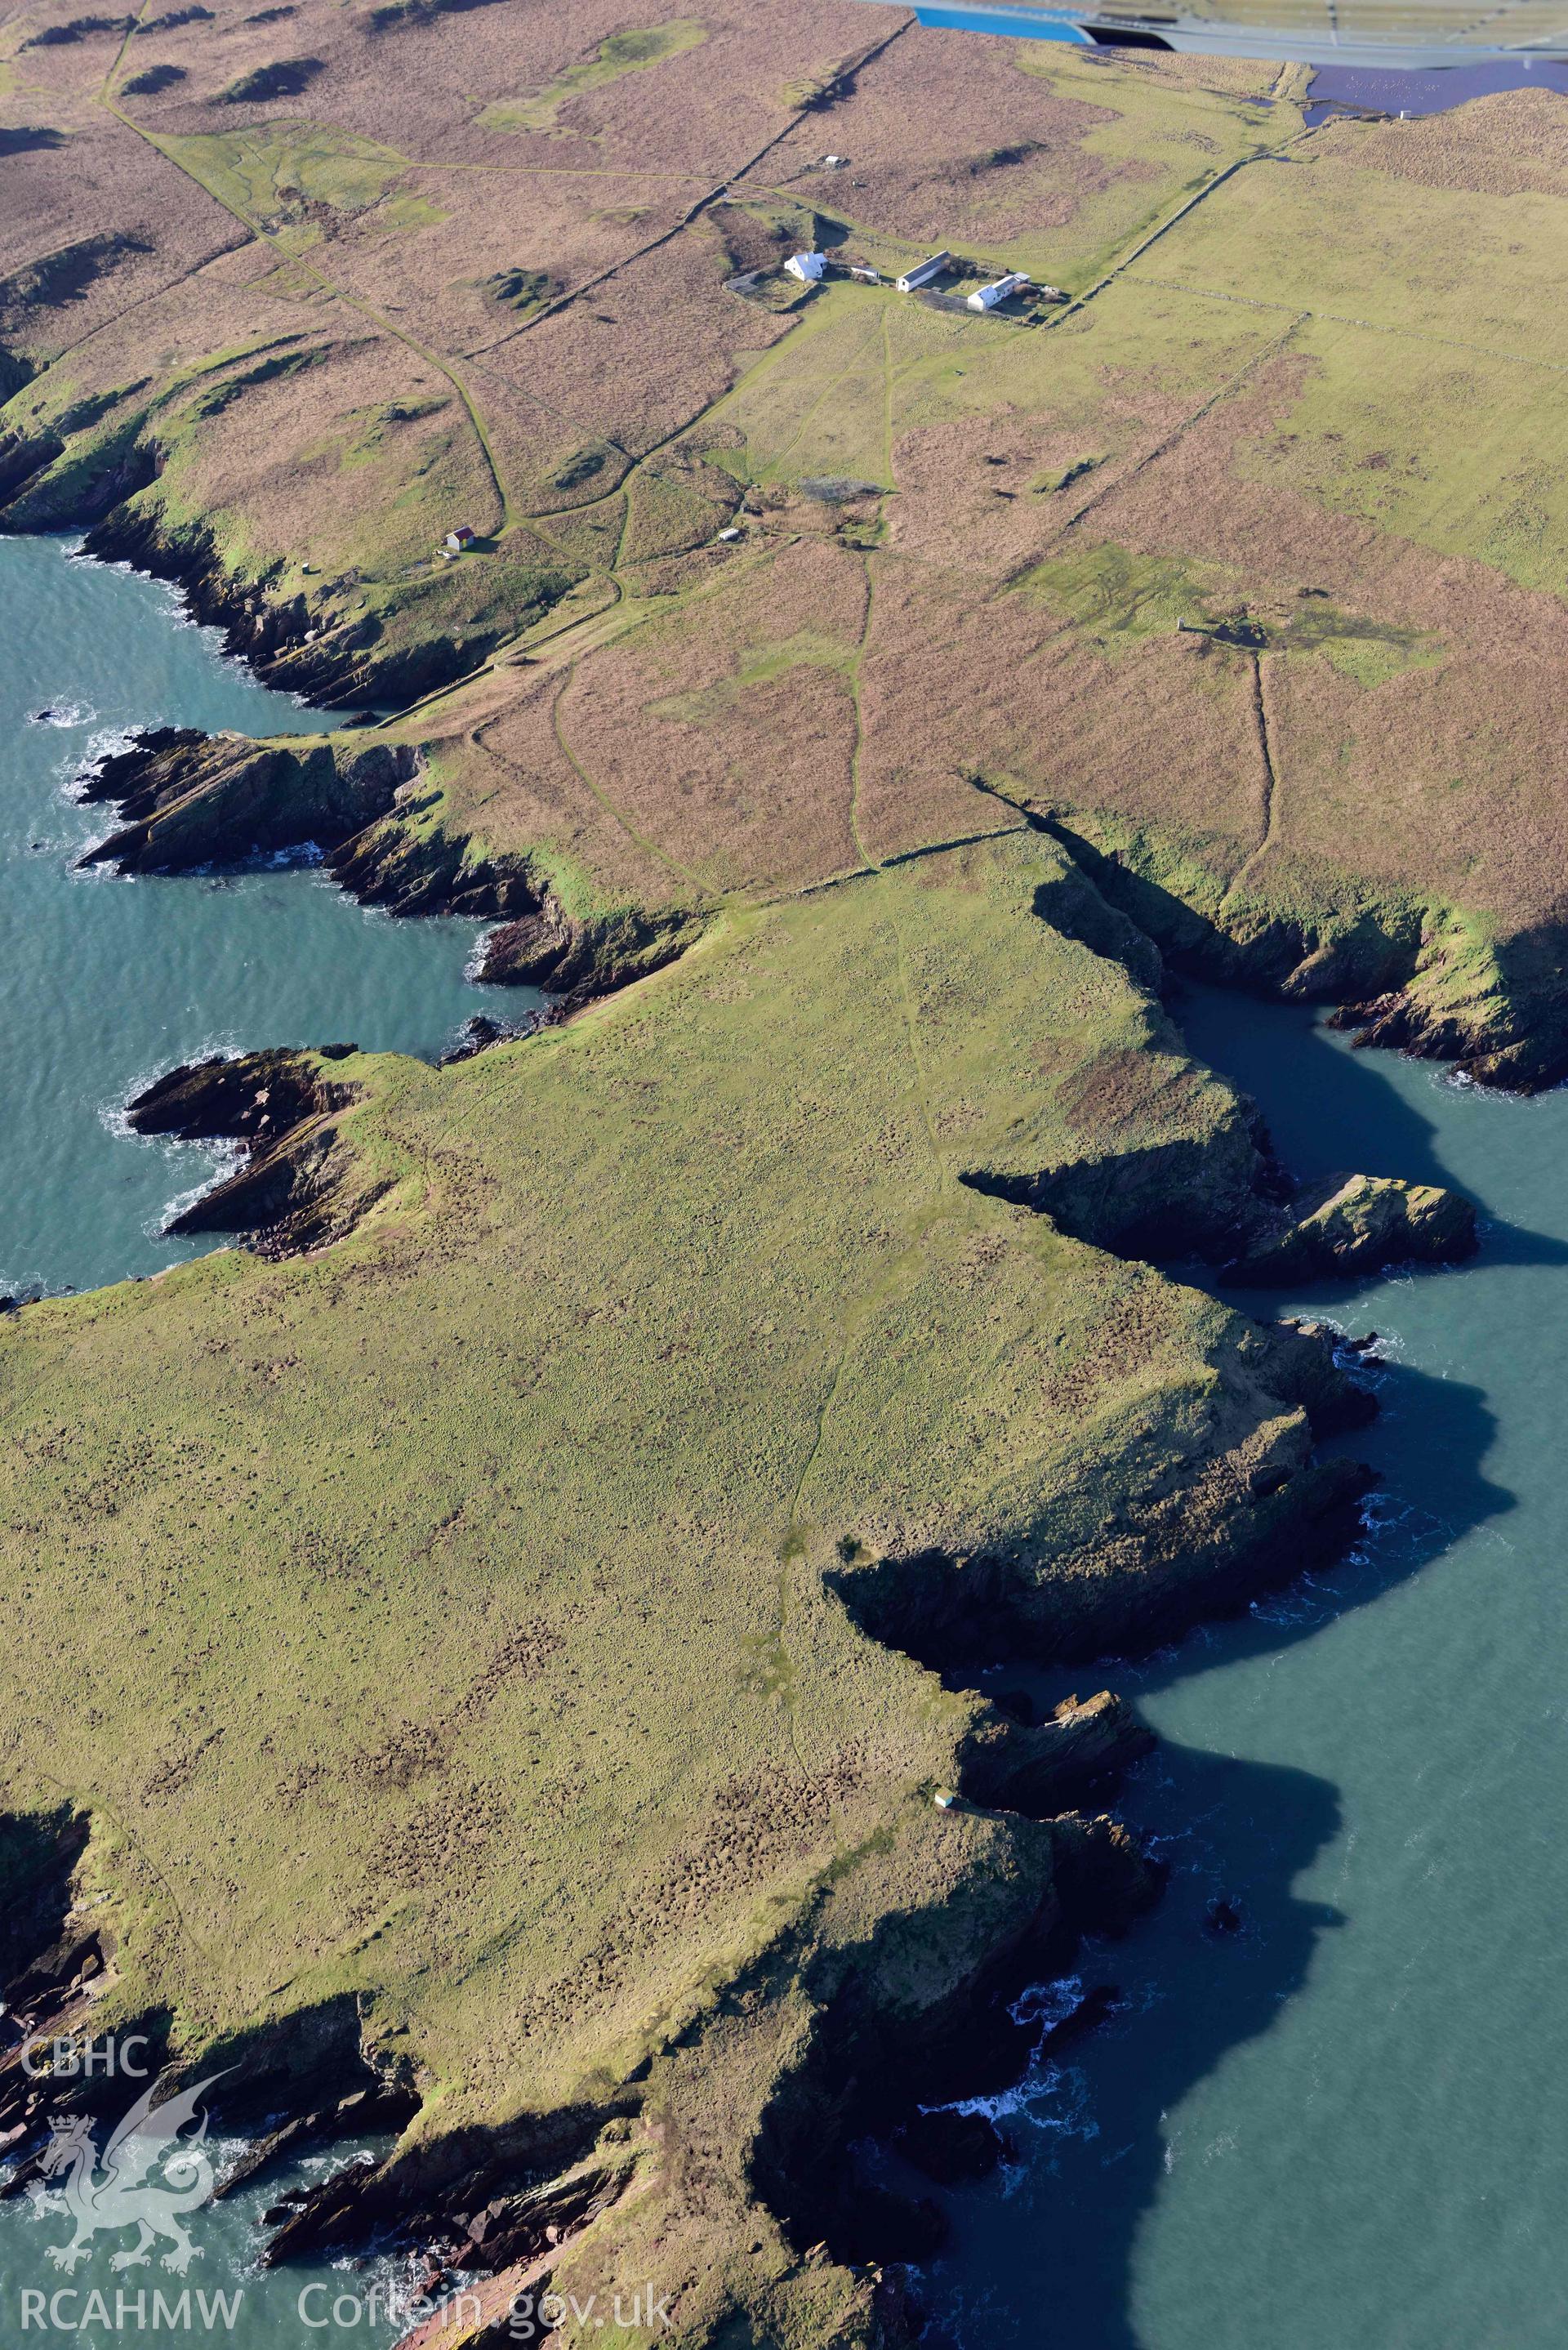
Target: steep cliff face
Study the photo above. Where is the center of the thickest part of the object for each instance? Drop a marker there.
(1206, 1555)
(575, 952)
(1224, 1198)
(23, 456)
(294, 644)
(293, 1190)
(1411, 974)
(187, 800)
(576, 957)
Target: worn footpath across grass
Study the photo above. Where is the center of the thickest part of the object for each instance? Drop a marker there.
(449, 1616)
(502, 1626)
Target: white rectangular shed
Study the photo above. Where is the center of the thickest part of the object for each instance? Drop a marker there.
(922, 272)
(986, 297)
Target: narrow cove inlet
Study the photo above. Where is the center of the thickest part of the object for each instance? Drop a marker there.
(107, 982)
(1356, 1784)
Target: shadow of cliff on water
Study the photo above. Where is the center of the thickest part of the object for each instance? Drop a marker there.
(1329, 1109)
(1427, 1446)
(1049, 2262)
(1047, 2257)
(1319, 1100)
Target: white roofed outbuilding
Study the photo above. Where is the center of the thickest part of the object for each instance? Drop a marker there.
(923, 273)
(986, 297)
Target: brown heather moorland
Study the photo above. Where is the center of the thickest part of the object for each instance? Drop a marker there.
(537, 1551)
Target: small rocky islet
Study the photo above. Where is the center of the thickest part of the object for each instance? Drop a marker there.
(563, 1540)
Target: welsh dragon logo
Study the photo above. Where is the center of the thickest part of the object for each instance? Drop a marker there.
(106, 2194)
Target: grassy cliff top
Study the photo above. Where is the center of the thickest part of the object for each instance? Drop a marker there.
(470, 1613)
(452, 1601)
(447, 1617)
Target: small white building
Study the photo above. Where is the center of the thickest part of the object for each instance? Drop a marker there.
(864, 275)
(807, 267)
(922, 272)
(986, 297)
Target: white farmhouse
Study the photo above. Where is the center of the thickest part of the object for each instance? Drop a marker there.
(986, 297)
(807, 267)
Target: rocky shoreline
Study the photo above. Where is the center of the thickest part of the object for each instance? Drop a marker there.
(506, 2203)
(187, 800)
(1403, 974)
(509, 2200)
(293, 644)
(503, 2204)
(528, 1662)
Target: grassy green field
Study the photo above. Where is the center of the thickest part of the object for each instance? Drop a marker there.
(266, 171)
(1319, 234)
(1162, 144)
(452, 1617)
(1449, 448)
(821, 403)
(867, 366)
(622, 53)
(452, 1601)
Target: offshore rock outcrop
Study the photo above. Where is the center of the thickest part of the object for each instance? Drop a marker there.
(257, 1099)
(1220, 1195)
(1357, 1223)
(1229, 1203)
(293, 1189)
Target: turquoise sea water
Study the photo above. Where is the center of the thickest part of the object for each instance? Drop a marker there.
(1346, 2124)
(1342, 2125)
(222, 2297)
(105, 981)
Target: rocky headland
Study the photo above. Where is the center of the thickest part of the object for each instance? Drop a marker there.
(560, 1541)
